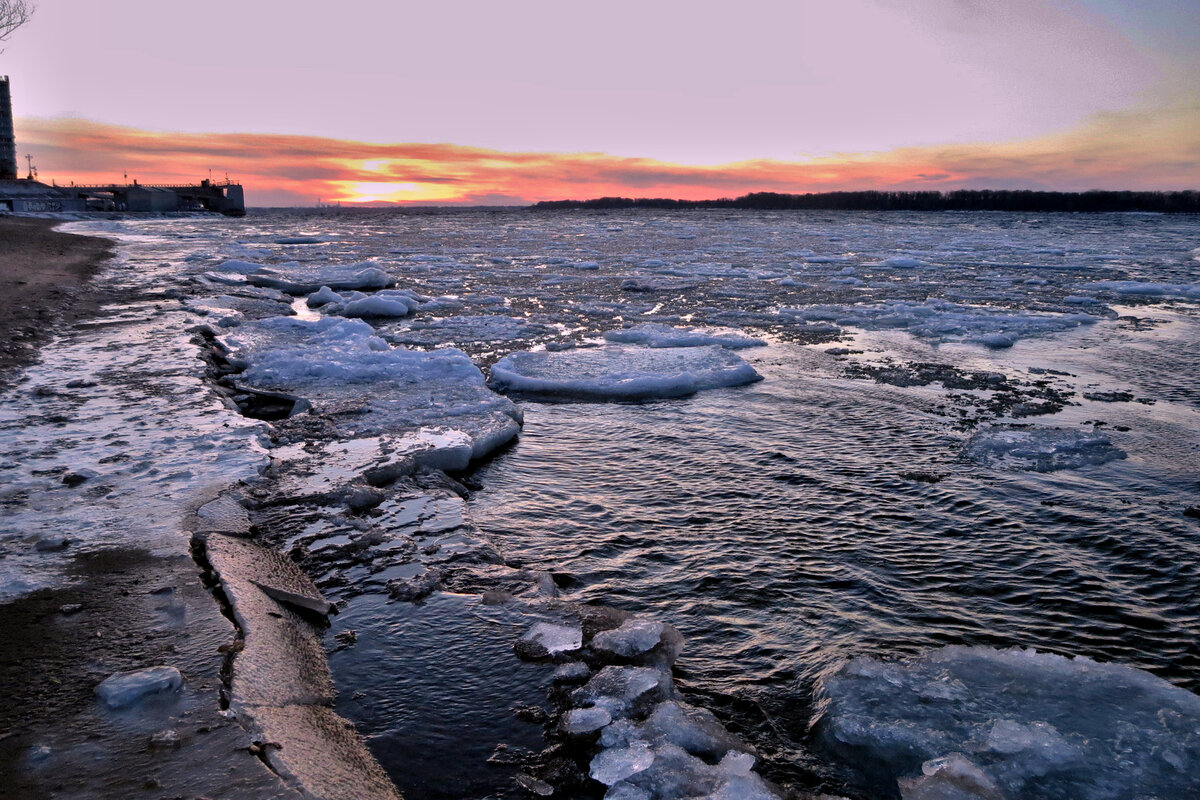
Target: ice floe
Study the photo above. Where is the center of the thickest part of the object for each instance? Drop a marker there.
(653, 334)
(468, 329)
(1041, 449)
(1011, 723)
(1145, 288)
(340, 364)
(293, 279)
(944, 321)
(621, 373)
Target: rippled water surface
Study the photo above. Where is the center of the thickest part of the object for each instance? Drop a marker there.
(830, 510)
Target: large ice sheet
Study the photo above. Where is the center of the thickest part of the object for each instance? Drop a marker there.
(340, 366)
(1036, 725)
(621, 373)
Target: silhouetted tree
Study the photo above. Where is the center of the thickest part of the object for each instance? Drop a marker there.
(13, 14)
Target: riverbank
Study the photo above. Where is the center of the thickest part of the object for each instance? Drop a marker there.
(44, 276)
(97, 568)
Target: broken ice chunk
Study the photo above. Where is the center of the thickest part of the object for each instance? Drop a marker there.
(696, 730)
(126, 688)
(546, 639)
(951, 777)
(634, 637)
(610, 766)
(624, 690)
(322, 296)
(585, 720)
(626, 791)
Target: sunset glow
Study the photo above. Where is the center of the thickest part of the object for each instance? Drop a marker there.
(383, 103)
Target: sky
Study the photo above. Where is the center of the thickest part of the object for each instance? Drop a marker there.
(378, 101)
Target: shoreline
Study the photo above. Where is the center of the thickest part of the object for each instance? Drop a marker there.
(134, 605)
(44, 277)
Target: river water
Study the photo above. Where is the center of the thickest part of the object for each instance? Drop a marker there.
(971, 429)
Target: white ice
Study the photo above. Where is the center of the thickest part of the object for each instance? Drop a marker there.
(621, 373)
(340, 364)
(1035, 725)
(555, 639)
(127, 688)
(294, 279)
(634, 637)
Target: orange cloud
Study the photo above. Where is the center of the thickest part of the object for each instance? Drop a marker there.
(1132, 150)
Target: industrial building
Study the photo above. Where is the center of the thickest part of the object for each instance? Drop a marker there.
(29, 195)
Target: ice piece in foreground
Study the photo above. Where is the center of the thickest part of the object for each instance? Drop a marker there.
(547, 639)
(1037, 726)
(621, 373)
(126, 688)
(1040, 449)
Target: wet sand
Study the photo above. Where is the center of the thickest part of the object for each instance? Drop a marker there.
(44, 277)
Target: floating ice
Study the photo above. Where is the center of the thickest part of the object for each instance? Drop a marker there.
(953, 777)
(903, 262)
(621, 373)
(305, 280)
(482, 328)
(1034, 725)
(614, 764)
(670, 772)
(623, 690)
(322, 296)
(943, 321)
(378, 305)
(126, 688)
(340, 365)
(549, 639)
(585, 720)
(1041, 449)
(635, 636)
(1145, 289)
(653, 334)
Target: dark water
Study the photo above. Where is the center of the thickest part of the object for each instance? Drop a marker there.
(790, 525)
(776, 527)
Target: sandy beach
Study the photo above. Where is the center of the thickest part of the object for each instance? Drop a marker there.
(43, 275)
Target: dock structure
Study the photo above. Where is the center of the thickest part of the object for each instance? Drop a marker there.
(222, 197)
(32, 196)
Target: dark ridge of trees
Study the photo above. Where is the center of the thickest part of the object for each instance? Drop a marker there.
(1186, 202)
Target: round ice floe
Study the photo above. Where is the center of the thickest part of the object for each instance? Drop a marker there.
(621, 373)
(1032, 724)
(1040, 449)
(653, 334)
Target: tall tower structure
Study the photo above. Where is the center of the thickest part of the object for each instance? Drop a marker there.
(8, 141)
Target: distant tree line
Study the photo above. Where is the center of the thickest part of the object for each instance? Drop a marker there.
(1187, 202)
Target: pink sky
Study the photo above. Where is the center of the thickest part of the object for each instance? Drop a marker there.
(686, 99)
